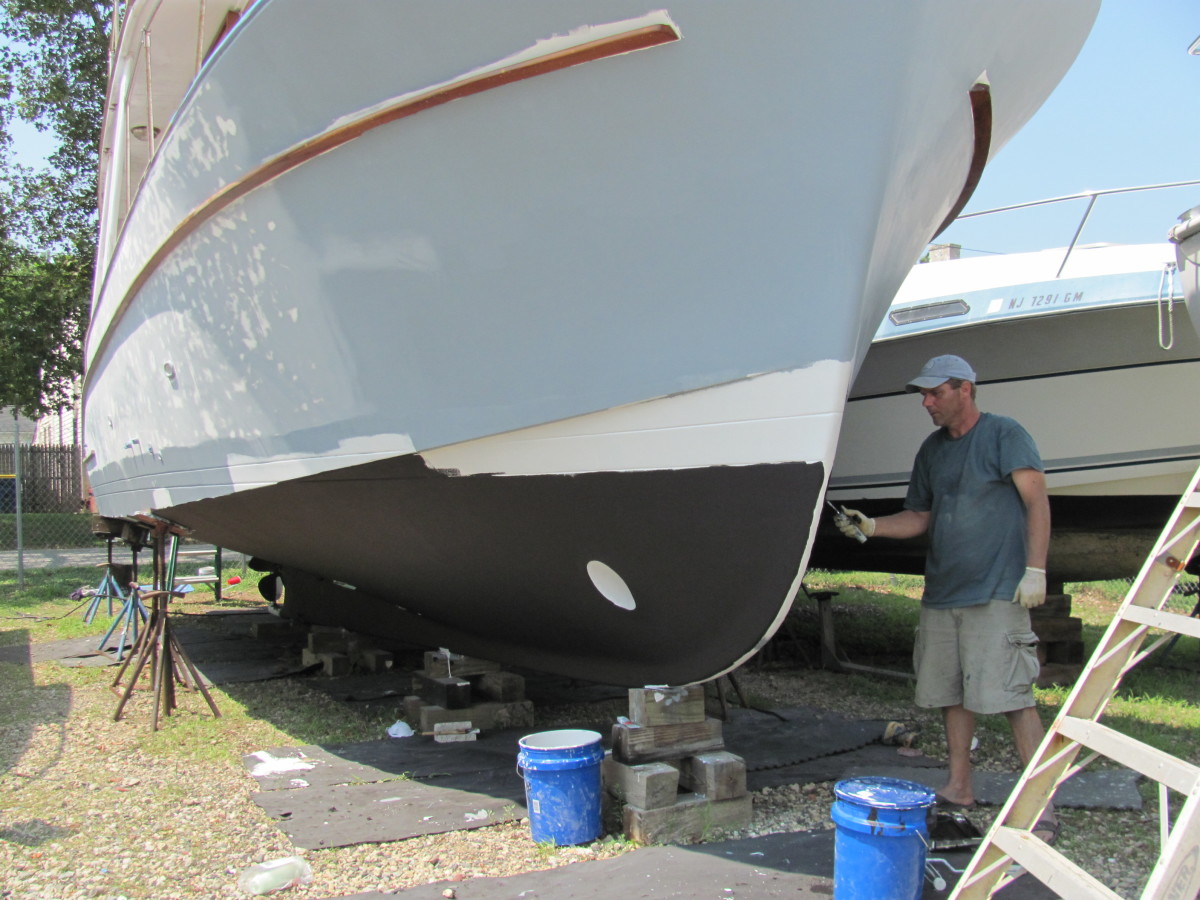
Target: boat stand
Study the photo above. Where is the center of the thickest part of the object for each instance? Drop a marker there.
(107, 589)
(832, 656)
(158, 647)
(133, 611)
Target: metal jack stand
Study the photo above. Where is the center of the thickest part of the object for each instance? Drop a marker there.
(133, 611)
(158, 647)
(107, 589)
(832, 657)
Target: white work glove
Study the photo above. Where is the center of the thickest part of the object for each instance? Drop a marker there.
(854, 524)
(1031, 591)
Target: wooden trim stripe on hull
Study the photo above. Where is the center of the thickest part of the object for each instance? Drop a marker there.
(613, 45)
(981, 118)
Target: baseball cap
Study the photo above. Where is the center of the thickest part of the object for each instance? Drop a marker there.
(939, 370)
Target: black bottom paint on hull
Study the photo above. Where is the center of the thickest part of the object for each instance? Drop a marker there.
(496, 566)
(1092, 539)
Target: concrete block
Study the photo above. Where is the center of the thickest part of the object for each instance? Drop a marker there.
(450, 732)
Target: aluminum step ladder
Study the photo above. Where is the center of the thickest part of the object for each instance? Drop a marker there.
(1010, 845)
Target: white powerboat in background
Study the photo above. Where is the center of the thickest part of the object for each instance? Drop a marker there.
(1088, 346)
(525, 329)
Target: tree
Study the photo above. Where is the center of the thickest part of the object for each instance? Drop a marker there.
(43, 316)
(53, 69)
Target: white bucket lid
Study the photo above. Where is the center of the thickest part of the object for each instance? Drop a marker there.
(560, 740)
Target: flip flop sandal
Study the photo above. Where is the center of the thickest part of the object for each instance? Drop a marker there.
(951, 806)
(1047, 826)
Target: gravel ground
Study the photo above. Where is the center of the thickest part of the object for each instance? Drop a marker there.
(93, 808)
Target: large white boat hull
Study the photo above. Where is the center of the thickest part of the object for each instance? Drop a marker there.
(451, 353)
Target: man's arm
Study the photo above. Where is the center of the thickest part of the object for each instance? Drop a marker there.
(907, 523)
(1031, 485)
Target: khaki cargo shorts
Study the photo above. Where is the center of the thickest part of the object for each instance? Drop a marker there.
(982, 657)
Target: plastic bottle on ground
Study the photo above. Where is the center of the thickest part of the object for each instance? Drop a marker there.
(275, 875)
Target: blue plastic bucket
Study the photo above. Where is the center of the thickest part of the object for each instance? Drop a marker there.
(562, 785)
(879, 846)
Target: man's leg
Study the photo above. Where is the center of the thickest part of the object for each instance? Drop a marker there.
(940, 685)
(960, 728)
(1027, 732)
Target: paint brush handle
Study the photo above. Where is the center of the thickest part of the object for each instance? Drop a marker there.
(840, 518)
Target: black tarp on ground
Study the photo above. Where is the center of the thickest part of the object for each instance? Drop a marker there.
(338, 795)
(225, 656)
(330, 797)
(798, 865)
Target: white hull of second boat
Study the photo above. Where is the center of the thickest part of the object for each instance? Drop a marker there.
(1079, 360)
(1186, 238)
(333, 287)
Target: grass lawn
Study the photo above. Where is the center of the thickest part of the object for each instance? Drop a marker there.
(1158, 701)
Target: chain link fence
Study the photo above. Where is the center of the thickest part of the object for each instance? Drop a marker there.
(42, 504)
(44, 522)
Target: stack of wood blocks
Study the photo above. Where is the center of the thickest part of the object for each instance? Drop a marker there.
(465, 695)
(1060, 640)
(338, 652)
(670, 770)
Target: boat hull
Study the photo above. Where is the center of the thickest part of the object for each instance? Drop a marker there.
(1186, 238)
(500, 566)
(1085, 371)
(374, 319)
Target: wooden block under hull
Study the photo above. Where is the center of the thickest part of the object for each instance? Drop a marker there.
(650, 785)
(1058, 674)
(437, 666)
(1057, 628)
(323, 640)
(650, 743)
(691, 819)
(666, 706)
(448, 693)
(505, 687)
(372, 659)
(719, 775)
(484, 716)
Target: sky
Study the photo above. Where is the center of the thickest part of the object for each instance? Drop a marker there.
(1123, 116)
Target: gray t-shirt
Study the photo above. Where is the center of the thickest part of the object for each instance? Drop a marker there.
(977, 521)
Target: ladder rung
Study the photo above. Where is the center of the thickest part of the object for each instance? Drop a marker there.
(1153, 763)
(1167, 621)
(1192, 500)
(1049, 866)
